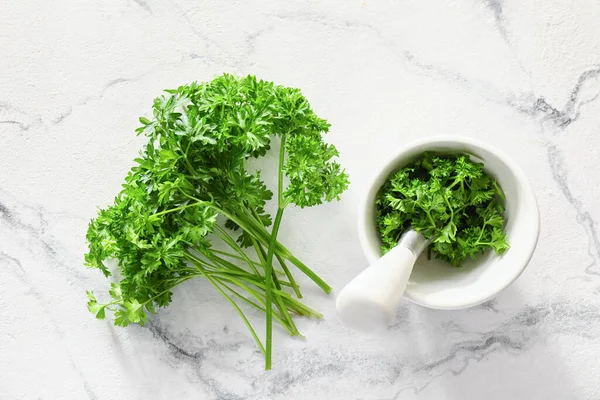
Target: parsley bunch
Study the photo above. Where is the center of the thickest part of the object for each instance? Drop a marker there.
(450, 200)
(163, 224)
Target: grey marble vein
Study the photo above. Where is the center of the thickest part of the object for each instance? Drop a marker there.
(571, 111)
(497, 8)
(31, 222)
(382, 73)
(482, 88)
(223, 53)
(515, 335)
(15, 117)
(17, 267)
(560, 119)
(174, 349)
(250, 48)
(34, 230)
(324, 20)
(194, 359)
(144, 5)
(490, 305)
(90, 392)
(282, 382)
(105, 87)
(62, 115)
(584, 217)
(87, 99)
(21, 125)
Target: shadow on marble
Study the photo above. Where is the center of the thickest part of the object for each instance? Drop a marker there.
(464, 342)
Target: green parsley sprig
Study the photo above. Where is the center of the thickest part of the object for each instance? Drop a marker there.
(162, 225)
(450, 200)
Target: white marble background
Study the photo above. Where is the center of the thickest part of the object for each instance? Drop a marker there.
(523, 75)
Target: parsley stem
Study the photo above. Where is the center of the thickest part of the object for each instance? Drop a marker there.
(263, 257)
(281, 261)
(268, 276)
(271, 251)
(239, 311)
(232, 269)
(285, 319)
(430, 218)
(234, 256)
(449, 208)
(307, 271)
(289, 275)
(226, 266)
(231, 242)
(263, 236)
(283, 309)
(168, 289)
(482, 230)
(237, 221)
(258, 307)
(170, 210)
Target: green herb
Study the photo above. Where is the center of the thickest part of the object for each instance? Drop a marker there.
(192, 170)
(450, 200)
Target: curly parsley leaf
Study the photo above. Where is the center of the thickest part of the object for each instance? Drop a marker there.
(162, 225)
(450, 200)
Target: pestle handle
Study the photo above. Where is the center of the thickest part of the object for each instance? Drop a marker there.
(370, 300)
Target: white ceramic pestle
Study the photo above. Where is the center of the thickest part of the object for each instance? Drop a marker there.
(369, 302)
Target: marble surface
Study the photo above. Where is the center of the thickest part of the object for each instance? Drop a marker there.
(521, 75)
